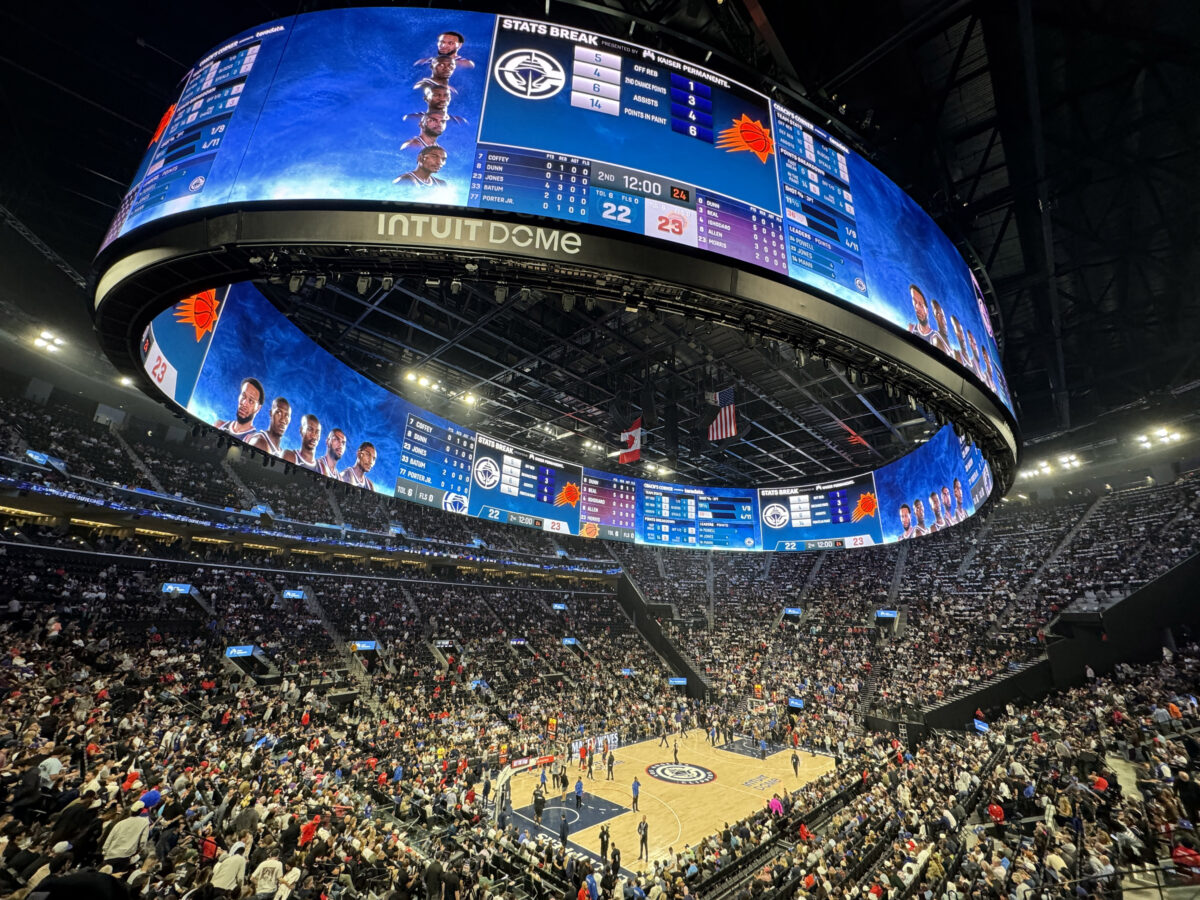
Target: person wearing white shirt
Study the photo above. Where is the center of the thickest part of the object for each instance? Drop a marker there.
(127, 839)
(267, 877)
(230, 872)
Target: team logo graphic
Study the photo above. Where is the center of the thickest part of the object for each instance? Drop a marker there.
(867, 506)
(568, 496)
(681, 773)
(530, 74)
(486, 472)
(589, 530)
(775, 515)
(199, 311)
(747, 134)
(455, 503)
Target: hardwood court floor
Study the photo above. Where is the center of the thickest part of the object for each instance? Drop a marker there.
(678, 814)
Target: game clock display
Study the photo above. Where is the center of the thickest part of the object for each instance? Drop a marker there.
(525, 117)
(512, 485)
(824, 515)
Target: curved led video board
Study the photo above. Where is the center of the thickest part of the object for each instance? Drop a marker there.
(234, 361)
(470, 110)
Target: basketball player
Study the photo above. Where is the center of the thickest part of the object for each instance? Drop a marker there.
(906, 522)
(440, 70)
(335, 446)
(449, 44)
(921, 328)
(987, 369)
(363, 464)
(958, 498)
(954, 514)
(974, 363)
(941, 337)
(939, 521)
(271, 440)
(437, 98)
(433, 126)
(250, 401)
(960, 352)
(920, 528)
(310, 436)
(429, 162)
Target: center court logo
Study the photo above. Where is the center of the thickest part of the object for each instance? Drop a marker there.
(530, 74)
(681, 773)
(775, 515)
(487, 473)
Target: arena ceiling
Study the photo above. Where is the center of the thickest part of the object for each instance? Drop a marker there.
(1056, 143)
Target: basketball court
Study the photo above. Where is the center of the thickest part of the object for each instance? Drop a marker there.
(682, 803)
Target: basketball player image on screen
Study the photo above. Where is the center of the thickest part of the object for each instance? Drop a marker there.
(429, 162)
(335, 446)
(440, 72)
(921, 328)
(250, 401)
(364, 462)
(939, 521)
(919, 528)
(959, 501)
(953, 512)
(960, 352)
(906, 522)
(449, 43)
(271, 440)
(976, 365)
(310, 436)
(941, 337)
(437, 99)
(433, 126)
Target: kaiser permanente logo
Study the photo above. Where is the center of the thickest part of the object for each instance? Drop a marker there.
(430, 229)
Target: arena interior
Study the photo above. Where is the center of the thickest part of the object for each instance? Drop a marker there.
(227, 674)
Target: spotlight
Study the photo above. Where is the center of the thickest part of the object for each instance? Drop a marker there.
(126, 381)
(423, 381)
(455, 286)
(364, 282)
(295, 282)
(319, 282)
(501, 293)
(47, 336)
(409, 376)
(386, 282)
(470, 399)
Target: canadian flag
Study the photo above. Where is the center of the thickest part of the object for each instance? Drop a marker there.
(632, 439)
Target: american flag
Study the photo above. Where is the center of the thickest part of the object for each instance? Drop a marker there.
(725, 424)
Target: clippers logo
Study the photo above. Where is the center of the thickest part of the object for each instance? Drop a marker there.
(530, 74)
(775, 515)
(455, 503)
(681, 773)
(487, 473)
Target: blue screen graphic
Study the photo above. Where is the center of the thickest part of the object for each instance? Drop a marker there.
(466, 109)
(831, 515)
(336, 415)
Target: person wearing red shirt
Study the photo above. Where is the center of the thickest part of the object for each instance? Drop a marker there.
(996, 813)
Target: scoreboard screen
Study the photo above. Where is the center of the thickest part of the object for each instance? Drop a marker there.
(374, 439)
(842, 512)
(608, 508)
(676, 515)
(526, 117)
(509, 484)
(435, 462)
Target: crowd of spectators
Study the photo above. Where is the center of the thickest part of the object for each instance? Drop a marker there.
(133, 762)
